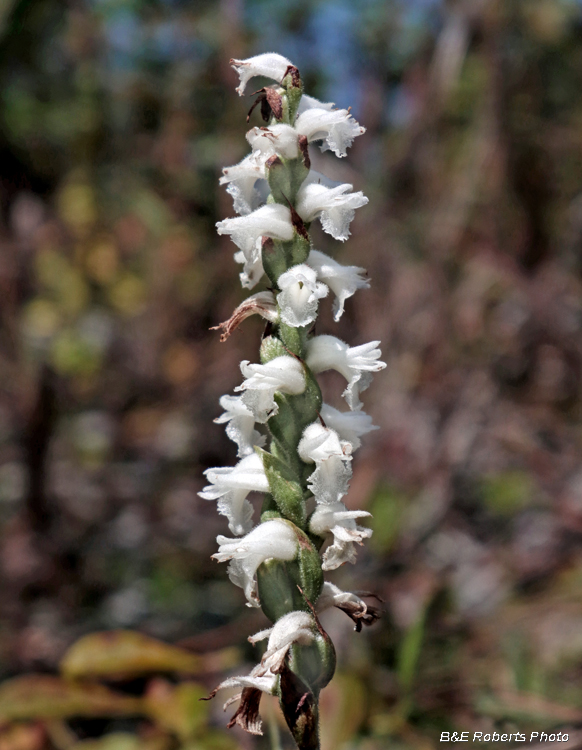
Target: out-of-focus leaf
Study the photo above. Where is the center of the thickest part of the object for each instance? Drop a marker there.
(177, 708)
(387, 510)
(507, 493)
(22, 737)
(409, 652)
(77, 207)
(47, 697)
(122, 653)
(128, 294)
(212, 740)
(526, 707)
(124, 741)
(72, 355)
(342, 710)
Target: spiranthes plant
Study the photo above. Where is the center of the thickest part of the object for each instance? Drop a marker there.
(302, 459)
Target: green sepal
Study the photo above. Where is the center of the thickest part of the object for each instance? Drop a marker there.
(295, 339)
(278, 580)
(277, 583)
(285, 177)
(279, 256)
(269, 510)
(285, 488)
(294, 86)
(314, 664)
(295, 413)
(271, 348)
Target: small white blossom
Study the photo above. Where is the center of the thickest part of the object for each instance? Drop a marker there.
(310, 102)
(355, 363)
(272, 539)
(300, 293)
(253, 685)
(273, 221)
(269, 65)
(336, 127)
(344, 281)
(284, 374)
(277, 139)
(350, 603)
(335, 207)
(294, 627)
(253, 269)
(240, 424)
(241, 180)
(338, 520)
(230, 485)
(319, 443)
(322, 446)
(350, 425)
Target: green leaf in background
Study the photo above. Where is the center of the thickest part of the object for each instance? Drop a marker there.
(178, 708)
(120, 654)
(47, 697)
(124, 741)
(508, 492)
(387, 507)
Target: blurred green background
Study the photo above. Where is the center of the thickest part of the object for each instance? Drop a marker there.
(116, 118)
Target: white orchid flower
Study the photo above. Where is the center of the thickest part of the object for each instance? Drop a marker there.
(253, 685)
(310, 102)
(240, 425)
(340, 521)
(322, 446)
(294, 627)
(344, 281)
(334, 207)
(272, 221)
(350, 425)
(272, 539)
(284, 374)
(277, 139)
(352, 604)
(355, 363)
(241, 180)
(269, 65)
(299, 296)
(336, 127)
(230, 485)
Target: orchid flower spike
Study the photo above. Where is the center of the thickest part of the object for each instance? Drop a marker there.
(303, 465)
(355, 363)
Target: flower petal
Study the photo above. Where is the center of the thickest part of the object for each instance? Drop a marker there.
(269, 65)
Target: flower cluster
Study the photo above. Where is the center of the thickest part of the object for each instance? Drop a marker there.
(306, 470)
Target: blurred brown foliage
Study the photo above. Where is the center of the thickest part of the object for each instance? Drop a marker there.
(116, 118)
